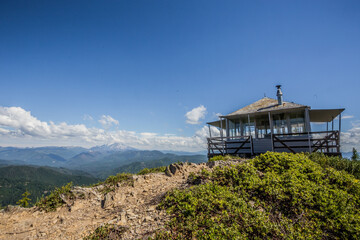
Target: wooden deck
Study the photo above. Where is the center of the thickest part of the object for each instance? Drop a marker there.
(327, 142)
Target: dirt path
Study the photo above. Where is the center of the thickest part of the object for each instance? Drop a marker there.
(133, 207)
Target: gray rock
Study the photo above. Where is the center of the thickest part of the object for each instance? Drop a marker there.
(108, 200)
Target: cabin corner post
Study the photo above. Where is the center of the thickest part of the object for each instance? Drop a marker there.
(249, 127)
(271, 131)
(308, 126)
(227, 128)
(222, 136)
(221, 129)
(339, 148)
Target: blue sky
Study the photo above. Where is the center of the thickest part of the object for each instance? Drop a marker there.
(140, 66)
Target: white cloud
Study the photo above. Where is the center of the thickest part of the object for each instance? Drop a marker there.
(351, 138)
(19, 128)
(195, 115)
(347, 117)
(107, 121)
(21, 122)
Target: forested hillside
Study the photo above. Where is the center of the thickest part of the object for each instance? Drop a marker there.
(15, 180)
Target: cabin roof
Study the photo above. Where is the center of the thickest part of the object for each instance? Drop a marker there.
(264, 105)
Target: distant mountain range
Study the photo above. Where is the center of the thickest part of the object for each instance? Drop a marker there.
(115, 147)
(104, 164)
(42, 156)
(100, 161)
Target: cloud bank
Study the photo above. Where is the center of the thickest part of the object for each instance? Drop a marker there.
(21, 127)
(195, 115)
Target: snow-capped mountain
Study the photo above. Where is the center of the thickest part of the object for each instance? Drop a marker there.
(115, 147)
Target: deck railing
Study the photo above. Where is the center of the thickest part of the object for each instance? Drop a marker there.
(327, 142)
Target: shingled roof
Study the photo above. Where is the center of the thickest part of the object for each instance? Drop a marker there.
(265, 105)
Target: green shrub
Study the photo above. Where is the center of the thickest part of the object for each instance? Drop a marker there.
(349, 166)
(273, 196)
(107, 231)
(55, 199)
(222, 158)
(112, 181)
(24, 202)
(151, 170)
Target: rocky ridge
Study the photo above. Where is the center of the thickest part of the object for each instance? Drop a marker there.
(133, 208)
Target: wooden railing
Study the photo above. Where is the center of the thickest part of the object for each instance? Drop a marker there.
(327, 142)
(218, 145)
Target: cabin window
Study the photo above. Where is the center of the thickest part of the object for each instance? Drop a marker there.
(248, 127)
(297, 122)
(280, 124)
(263, 126)
(232, 128)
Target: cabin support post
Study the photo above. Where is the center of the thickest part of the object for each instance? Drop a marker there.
(209, 148)
(221, 129)
(256, 130)
(222, 136)
(307, 120)
(249, 125)
(227, 129)
(272, 131)
(339, 132)
(288, 123)
(241, 128)
(209, 130)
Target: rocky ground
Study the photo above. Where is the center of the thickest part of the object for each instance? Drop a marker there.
(132, 207)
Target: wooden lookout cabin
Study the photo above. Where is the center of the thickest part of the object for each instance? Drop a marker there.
(275, 125)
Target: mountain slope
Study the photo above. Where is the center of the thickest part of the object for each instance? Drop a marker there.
(102, 166)
(44, 156)
(135, 167)
(15, 180)
(111, 164)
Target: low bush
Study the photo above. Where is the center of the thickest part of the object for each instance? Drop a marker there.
(349, 166)
(55, 198)
(107, 231)
(273, 196)
(222, 158)
(151, 170)
(112, 181)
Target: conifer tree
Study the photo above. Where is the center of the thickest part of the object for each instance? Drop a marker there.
(355, 155)
(24, 202)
